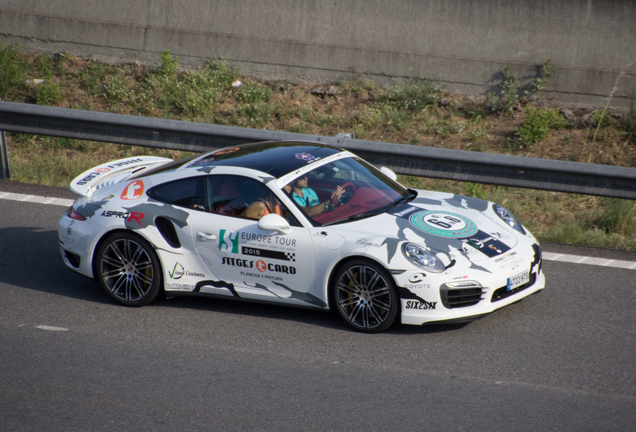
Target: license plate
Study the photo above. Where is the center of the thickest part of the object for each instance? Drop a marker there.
(517, 280)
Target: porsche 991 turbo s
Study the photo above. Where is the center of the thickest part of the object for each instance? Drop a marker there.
(300, 224)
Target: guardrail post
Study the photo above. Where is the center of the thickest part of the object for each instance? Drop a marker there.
(4, 159)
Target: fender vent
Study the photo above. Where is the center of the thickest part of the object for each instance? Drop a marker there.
(168, 232)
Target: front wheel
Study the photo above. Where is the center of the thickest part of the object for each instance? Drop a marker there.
(128, 269)
(365, 296)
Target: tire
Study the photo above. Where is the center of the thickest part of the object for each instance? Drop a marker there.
(365, 296)
(128, 269)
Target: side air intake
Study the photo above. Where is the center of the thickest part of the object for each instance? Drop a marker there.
(168, 232)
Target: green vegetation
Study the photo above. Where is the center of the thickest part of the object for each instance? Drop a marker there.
(537, 125)
(511, 95)
(416, 112)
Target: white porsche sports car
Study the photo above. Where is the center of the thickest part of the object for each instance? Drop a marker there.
(296, 223)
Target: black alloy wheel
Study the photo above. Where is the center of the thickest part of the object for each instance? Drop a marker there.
(128, 269)
(365, 296)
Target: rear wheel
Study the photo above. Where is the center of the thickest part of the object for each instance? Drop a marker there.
(365, 296)
(128, 269)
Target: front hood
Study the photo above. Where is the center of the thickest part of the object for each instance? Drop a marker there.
(441, 222)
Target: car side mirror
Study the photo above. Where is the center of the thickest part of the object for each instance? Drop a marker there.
(389, 173)
(274, 222)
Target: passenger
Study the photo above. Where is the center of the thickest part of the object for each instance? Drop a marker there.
(263, 206)
(307, 198)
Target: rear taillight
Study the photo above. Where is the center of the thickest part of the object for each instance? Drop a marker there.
(75, 215)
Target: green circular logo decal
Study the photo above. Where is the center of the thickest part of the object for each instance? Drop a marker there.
(443, 224)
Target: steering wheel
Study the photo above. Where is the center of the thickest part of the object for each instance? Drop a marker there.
(353, 187)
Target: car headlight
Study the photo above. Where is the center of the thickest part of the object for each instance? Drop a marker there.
(508, 218)
(422, 258)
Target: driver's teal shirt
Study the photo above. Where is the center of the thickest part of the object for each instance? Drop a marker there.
(308, 199)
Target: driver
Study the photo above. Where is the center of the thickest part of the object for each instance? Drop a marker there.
(307, 198)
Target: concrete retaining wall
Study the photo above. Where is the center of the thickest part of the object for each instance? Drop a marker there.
(464, 44)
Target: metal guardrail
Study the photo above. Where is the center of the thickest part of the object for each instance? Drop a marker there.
(516, 171)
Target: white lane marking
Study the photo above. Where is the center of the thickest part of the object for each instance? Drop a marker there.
(36, 199)
(548, 256)
(51, 328)
(577, 259)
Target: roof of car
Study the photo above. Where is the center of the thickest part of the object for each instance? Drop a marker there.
(274, 158)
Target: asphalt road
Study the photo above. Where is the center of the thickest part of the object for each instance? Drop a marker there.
(71, 360)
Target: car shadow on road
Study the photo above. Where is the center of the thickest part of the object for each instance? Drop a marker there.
(31, 260)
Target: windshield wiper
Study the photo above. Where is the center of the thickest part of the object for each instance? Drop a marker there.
(402, 200)
(352, 218)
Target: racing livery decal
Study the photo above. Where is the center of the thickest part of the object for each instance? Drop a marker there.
(443, 224)
(216, 284)
(150, 211)
(293, 294)
(89, 209)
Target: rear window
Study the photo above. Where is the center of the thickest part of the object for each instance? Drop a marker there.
(189, 193)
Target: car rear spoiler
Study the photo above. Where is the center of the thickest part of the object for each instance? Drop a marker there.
(112, 172)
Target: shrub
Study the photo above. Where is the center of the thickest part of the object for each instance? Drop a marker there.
(537, 125)
(48, 94)
(411, 96)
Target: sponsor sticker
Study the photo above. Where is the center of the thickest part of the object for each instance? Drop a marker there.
(133, 191)
(418, 286)
(417, 277)
(88, 178)
(129, 216)
(266, 253)
(403, 212)
(264, 276)
(260, 265)
(230, 242)
(178, 271)
(178, 287)
(305, 156)
(421, 305)
(367, 243)
(505, 257)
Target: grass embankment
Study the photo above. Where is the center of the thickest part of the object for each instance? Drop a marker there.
(515, 121)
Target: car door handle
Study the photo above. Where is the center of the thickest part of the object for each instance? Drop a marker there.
(205, 236)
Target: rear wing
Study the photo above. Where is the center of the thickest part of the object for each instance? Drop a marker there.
(112, 172)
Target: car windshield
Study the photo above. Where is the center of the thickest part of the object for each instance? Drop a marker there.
(344, 190)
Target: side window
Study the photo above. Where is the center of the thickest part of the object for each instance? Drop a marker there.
(189, 193)
(226, 194)
(243, 197)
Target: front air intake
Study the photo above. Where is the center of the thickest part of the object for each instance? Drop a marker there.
(461, 294)
(72, 258)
